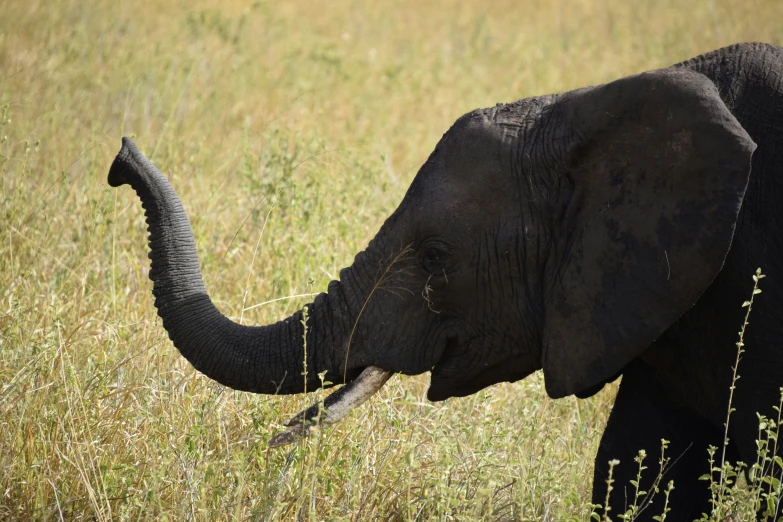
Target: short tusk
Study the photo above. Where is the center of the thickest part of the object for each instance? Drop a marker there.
(335, 406)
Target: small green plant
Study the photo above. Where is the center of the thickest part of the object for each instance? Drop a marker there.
(737, 490)
(609, 489)
(666, 508)
(642, 499)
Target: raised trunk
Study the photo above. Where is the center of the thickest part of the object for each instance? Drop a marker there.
(268, 359)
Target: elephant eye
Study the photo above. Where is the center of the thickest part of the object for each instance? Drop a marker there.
(433, 257)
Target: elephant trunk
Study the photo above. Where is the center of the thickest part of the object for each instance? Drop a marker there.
(268, 359)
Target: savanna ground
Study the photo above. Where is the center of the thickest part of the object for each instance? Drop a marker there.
(290, 130)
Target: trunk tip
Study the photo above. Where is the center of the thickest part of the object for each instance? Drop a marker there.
(119, 170)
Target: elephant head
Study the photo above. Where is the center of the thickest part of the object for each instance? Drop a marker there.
(563, 232)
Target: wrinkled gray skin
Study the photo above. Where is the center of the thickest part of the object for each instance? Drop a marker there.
(605, 231)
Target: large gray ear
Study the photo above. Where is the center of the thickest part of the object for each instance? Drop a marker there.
(659, 167)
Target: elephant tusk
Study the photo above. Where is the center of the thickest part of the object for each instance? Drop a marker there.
(335, 406)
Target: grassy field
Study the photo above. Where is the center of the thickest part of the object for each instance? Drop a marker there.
(290, 130)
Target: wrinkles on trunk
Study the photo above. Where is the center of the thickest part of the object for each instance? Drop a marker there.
(266, 359)
(377, 284)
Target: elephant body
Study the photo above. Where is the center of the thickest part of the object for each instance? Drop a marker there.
(678, 389)
(606, 231)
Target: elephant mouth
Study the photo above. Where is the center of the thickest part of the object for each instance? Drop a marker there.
(447, 378)
(461, 372)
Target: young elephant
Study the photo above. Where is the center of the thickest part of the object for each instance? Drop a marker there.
(606, 231)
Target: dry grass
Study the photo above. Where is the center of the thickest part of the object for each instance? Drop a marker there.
(296, 127)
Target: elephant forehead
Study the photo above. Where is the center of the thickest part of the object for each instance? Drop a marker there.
(474, 192)
(473, 143)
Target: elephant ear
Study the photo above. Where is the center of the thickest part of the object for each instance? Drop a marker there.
(658, 167)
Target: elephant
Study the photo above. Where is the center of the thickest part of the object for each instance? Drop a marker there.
(603, 232)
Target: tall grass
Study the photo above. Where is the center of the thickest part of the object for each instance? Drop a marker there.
(290, 130)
